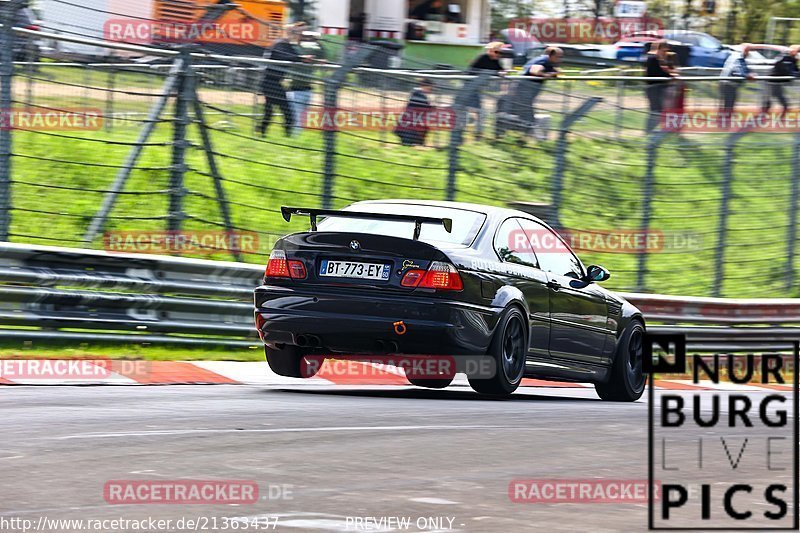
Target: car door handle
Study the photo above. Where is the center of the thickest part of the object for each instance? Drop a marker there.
(553, 285)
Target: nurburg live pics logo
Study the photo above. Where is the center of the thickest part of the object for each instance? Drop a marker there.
(724, 460)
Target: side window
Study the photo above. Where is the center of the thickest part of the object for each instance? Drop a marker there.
(512, 245)
(554, 255)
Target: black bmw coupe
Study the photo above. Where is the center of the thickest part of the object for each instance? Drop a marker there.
(447, 279)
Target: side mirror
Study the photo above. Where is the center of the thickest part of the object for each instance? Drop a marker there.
(596, 273)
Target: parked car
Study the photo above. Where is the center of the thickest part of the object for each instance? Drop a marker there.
(762, 56)
(26, 48)
(523, 44)
(704, 49)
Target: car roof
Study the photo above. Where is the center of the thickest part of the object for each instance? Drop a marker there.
(492, 211)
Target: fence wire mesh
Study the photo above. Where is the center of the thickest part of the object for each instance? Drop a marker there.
(179, 144)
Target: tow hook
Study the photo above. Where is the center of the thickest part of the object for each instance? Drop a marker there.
(400, 328)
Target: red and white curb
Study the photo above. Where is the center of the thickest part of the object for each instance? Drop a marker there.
(122, 372)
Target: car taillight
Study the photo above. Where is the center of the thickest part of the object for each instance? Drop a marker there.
(259, 325)
(412, 278)
(279, 267)
(297, 269)
(440, 276)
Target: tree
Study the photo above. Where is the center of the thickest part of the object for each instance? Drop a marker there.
(753, 18)
(504, 11)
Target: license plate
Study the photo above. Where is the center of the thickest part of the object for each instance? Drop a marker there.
(353, 269)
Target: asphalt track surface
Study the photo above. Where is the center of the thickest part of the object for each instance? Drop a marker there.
(343, 452)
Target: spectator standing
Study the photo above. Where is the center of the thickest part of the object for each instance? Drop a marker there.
(273, 89)
(413, 132)
(785, 65)
(657, 91)
(525, 90)
(735, 67)
(489, 61)
(676, 94)
(300, 88)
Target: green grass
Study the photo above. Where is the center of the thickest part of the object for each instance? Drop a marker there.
(59, 179)
(603, 191)
(35, 350)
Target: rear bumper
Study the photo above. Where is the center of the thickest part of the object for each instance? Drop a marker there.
(359, 322)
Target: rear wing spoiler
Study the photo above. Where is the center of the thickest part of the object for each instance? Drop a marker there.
(418, 221)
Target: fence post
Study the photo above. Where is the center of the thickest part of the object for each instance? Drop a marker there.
(647, 201)
(618, 114)
(99, 220)
(216, 175)
(9, 16)
(332, 86)
(179, 142)
(475, 85)
(794, 196)
(561, 157)
(112, 77)
(722, 228)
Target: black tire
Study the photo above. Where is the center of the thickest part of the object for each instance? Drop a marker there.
(291, 362)
(430, 383)
(509, 349)
(627, 380)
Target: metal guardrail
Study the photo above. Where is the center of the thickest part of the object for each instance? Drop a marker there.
(95, 296)
(50, 293)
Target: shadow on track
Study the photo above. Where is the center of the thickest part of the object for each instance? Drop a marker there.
(414, 393)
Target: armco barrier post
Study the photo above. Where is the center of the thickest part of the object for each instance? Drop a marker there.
(647, 202)
(332, 86)
(561, 157)
(179, 143)
(722, 227)
(794, 197)
(8, 16)
(475, 85)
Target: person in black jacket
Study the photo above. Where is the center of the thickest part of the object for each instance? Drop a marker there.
(301, 89)
(785, 65)
(411, 129)
(272, 87)
(486, 62)
(657, 91)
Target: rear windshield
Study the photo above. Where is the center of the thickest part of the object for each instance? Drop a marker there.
(466, 224)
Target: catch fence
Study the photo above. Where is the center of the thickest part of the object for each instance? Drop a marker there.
(172, 146)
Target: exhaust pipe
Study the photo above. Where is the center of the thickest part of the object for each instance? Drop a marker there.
(380, 345)
(301, 341)
(392, 347)
(313, 341)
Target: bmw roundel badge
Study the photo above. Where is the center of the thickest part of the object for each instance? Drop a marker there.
(355, 245)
